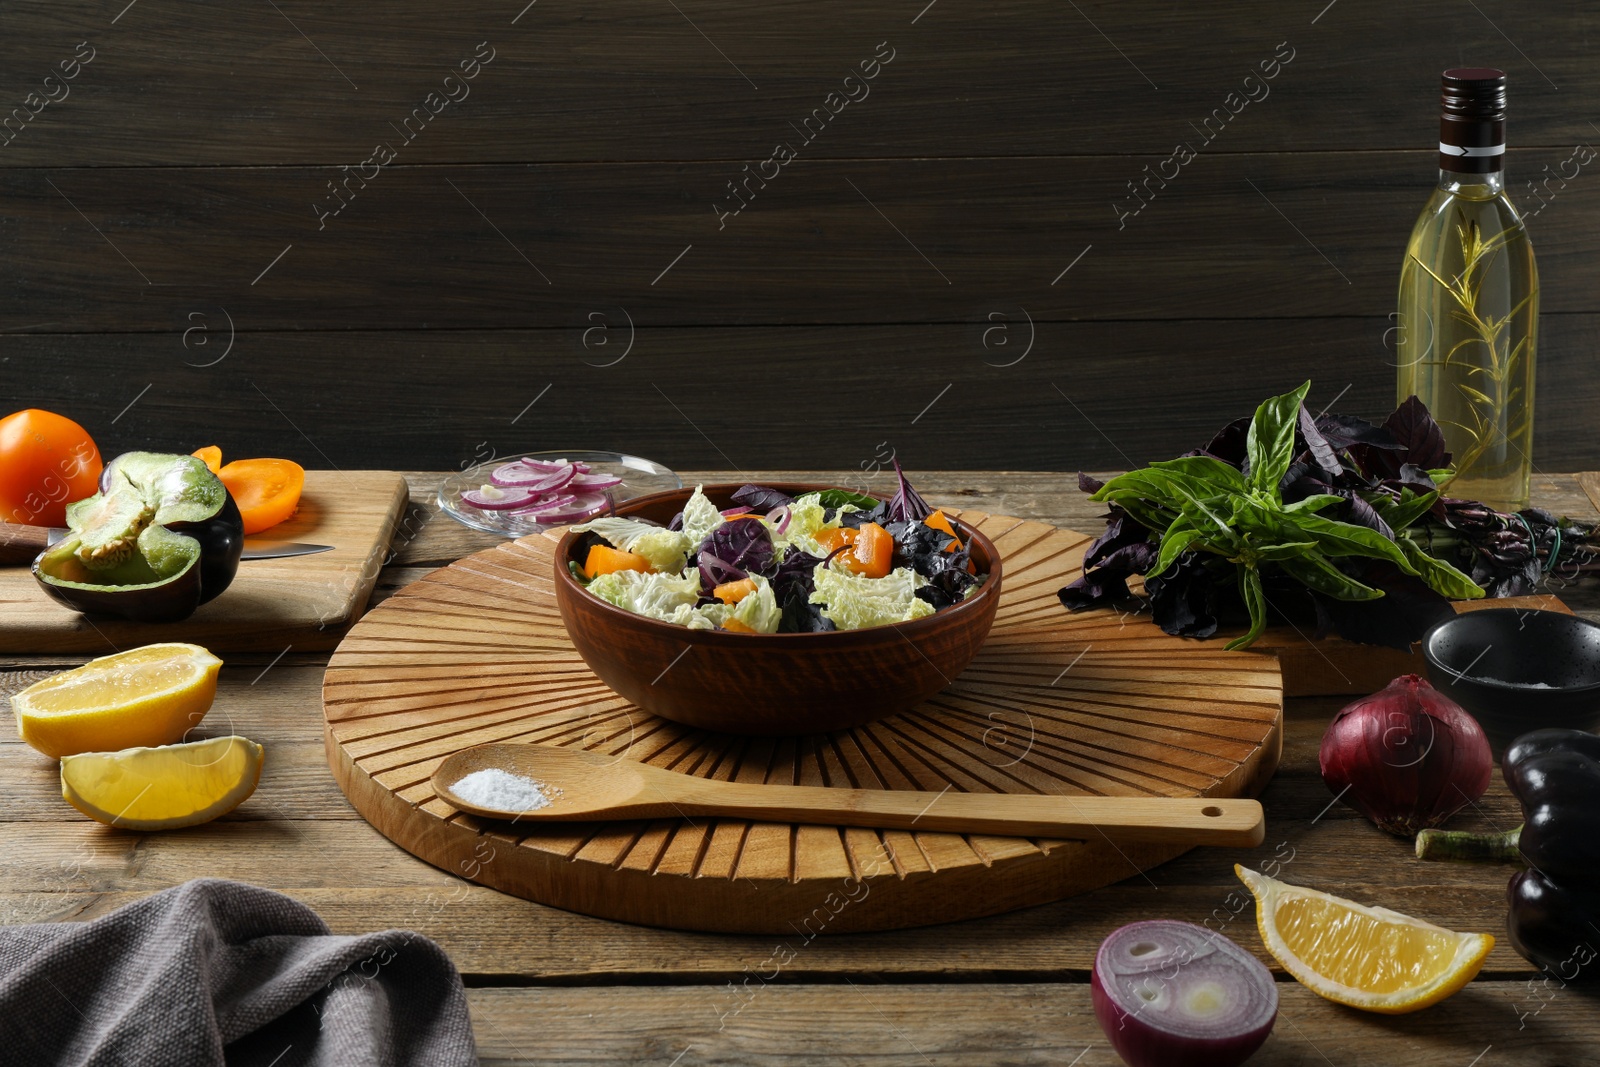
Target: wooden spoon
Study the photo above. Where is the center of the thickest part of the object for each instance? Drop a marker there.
(586, 786)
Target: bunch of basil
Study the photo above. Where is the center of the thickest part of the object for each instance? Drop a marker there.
(1280, 510)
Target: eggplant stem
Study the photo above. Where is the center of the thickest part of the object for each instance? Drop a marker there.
(1461, 846)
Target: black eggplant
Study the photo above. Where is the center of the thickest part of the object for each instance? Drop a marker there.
(160, 538)
(1554, 918)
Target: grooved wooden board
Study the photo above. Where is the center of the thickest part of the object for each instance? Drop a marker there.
(304, 603)
(1055, 703)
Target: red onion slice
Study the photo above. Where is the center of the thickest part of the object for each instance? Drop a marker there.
(490, 498)
(548, 466)
(547, 502)
(1169, 992)
(594, 481)
(538, 481)
(575, 509)
(779, 517)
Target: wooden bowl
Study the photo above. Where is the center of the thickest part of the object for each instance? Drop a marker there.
(772, 684)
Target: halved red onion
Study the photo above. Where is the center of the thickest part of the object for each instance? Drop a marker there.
(495, 498)
(779, 517)
(594, 481)
(1170, 992)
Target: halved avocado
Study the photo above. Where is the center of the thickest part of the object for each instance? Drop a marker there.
(162, 537)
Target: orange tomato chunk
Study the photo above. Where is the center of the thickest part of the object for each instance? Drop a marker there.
(733, 592)
(266, 490)
(603, 559)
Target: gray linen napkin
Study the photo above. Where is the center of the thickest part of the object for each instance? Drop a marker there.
(217, 972)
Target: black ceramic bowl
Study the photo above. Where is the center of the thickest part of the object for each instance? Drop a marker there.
(1518, 670)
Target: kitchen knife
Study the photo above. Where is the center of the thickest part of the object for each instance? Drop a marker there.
(19, 544)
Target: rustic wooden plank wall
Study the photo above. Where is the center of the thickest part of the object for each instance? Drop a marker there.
(412, 235)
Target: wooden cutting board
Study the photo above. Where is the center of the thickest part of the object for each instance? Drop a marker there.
(1054, 703)
(302, 603)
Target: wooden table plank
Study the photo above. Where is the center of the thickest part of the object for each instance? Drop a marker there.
(932, 1025)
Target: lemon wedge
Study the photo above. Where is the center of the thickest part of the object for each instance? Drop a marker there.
(1369, 958)
(145, 696)
(163, 788)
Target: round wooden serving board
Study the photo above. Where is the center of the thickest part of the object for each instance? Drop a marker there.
(1055, 703)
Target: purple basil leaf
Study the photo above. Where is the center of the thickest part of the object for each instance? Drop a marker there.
(1183, 602)
(906, 505)
(800, 616)
(677, 522)
(1343, 431)
(1360, 513)
(1121, 531)
(797, 571)
(1089, 484)
(1094, 589)
(761, 498)
(1321, 451)
(1420, 437)
(740, 545)
(1229, 443)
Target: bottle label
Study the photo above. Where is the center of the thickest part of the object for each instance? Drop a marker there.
(1471, 146)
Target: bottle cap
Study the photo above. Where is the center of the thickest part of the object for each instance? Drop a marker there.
(1472, 120)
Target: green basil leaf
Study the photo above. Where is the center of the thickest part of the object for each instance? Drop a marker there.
(1255, 599)
(1441, 577)
(1166, 487)
(1205, 469)
(1148, 515)
(1313, 503)
(836, 498)
(1344, 539)
(1270, 442)
(1179, 536)
(1285, 550)
(1314, 571)
(1408, 509)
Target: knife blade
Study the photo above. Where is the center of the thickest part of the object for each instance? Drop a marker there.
(19, 544)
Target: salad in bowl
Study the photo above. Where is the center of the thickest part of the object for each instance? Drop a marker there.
(778, 564)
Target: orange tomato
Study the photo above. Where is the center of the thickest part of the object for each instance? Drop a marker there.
(938, 520)
(836, 537)
(870, 552)
(47, 461)
(733, 592)
(212, 455)
(603, 559)
(734, 626)
(266, 490)
(873, 551)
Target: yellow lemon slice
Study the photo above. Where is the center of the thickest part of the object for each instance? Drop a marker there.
(145, 696)
(1369, 958)
(163, 788)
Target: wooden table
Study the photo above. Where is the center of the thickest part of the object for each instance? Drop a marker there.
(551, 987)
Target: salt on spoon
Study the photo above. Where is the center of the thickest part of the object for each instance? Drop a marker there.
(501, 790)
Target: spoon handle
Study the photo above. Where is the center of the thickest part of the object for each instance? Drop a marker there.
(1168, 820)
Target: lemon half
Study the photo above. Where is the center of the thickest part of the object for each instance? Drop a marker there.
(145, 696)
(163, 788)
(1369, 958)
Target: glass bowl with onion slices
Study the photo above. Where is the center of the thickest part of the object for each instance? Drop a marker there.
(532, 492)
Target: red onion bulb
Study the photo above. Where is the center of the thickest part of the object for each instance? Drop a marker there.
(1407, 757)
(1172, 993)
